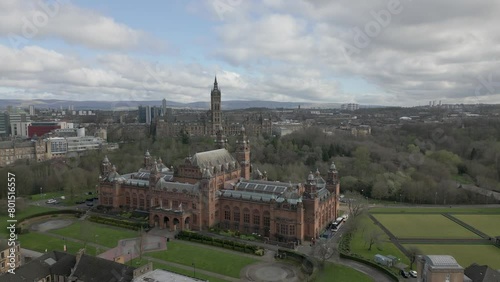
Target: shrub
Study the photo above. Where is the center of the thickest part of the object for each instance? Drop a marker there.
(228, 244)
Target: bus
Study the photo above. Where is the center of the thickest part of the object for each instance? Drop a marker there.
(338, 222)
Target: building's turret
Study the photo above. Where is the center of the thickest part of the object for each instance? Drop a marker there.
(154, 175)
(332, 179)
(243, 154)
(220, 141)
(215, 107)
(147, 160)
(310, 185)
(105, 167)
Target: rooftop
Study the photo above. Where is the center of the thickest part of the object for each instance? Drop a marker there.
(442, 261)
(212, 158)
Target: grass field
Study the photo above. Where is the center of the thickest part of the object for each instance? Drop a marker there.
(385, 247)
(46, 196)
(423, 226)
(453, 210)
(488, 224)
(41, 242)
(204, 258)
(86, 231)
(339, 273)
(465, 254)
(156, 265)
(29, 210)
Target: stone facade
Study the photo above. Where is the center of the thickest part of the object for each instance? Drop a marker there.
(5, 261)
(11, 151)
(215, 188)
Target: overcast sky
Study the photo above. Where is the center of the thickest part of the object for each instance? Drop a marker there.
(385, 52)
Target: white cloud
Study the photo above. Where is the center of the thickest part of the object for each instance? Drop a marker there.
(278, 50)
(427, 50)
(28, 20)
(34, 72)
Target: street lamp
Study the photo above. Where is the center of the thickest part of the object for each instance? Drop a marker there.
(436, 198)
(95, 242)
(41, 189)
(194, 270)
(401, 198)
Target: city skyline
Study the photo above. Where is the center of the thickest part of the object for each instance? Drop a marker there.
(401, 53)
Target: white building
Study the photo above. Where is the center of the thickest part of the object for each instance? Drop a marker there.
(349, 107)
(80, 144)
(56, 147)
(19, 128)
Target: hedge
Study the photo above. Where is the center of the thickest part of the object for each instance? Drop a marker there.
(55, 212)
(118, 222)
(308, 264)
(363, 260)
(228, 244)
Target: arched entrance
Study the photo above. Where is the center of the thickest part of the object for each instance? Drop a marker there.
(186, 223)
(156, 220)
(176, 222)
(166, 222)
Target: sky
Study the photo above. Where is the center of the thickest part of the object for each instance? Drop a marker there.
(378, 52)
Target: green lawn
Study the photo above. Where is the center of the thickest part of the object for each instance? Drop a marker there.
(46, 196)
(431, 209)
(97, 233)
(488, 224)
(209, 259)
(137, 262)
(423, 226)
(40, 242)
(384, 247)
(339, 273)
(29, 210)
(465, 254)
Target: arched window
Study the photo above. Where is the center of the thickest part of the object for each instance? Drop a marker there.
(267, 219)
(256, 217)
(227, 213)
(127, 198)
(134, 200)
(236, 214)
(246, 215)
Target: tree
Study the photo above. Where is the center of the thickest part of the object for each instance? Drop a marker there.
(362, 160)
(356, 203)
(380, 190)
(412, 253)
(323, 250)
(374, 237)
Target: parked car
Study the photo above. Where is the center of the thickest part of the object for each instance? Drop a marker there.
(405, 274)
(51, 201)
(413, 273)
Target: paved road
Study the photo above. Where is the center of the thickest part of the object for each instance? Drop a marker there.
(332, 243)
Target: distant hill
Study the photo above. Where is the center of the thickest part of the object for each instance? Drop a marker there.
(105, 105)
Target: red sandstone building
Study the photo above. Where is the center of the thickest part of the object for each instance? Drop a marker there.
(215, 188)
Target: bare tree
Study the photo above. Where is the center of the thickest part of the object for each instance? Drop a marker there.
(323, 250)
(412, 253)
(374, 237)
(356, 203)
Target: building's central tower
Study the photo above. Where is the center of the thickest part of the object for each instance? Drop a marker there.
(215, 108)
